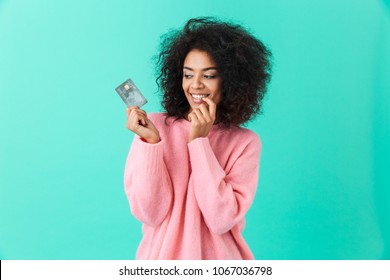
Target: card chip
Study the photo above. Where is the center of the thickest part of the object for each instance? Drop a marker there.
(130, 94)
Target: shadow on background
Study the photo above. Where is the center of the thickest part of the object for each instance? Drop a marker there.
(387, 4)
(381, 129)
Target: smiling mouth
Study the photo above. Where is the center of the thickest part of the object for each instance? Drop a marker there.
(199, 96)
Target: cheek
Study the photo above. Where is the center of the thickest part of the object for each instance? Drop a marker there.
(216, 87)
(184, 84)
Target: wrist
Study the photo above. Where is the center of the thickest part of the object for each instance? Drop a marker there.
(151, 140)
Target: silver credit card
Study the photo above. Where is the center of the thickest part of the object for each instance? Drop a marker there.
(130, 94)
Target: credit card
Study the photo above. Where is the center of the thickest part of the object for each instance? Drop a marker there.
(130, 94)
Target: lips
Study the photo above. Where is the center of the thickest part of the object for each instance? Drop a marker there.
(199, 96)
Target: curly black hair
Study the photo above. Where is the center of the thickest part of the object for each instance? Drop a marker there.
(243, 63)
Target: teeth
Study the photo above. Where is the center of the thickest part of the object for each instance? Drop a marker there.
(199, 96)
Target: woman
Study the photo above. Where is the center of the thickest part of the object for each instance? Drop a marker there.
(192, 171)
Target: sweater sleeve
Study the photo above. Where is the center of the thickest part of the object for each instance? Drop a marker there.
(224, 197)
(147, 183)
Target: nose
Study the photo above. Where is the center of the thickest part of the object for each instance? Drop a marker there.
(196, 83)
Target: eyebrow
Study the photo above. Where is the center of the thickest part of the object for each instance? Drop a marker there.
(204, 69)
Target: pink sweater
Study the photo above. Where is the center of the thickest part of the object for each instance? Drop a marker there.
(192, 197)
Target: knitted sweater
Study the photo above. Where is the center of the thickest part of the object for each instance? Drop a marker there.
(192, 197)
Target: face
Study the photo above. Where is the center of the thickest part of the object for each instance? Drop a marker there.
(200, 78)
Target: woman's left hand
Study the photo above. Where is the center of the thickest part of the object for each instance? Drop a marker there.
(202, 119)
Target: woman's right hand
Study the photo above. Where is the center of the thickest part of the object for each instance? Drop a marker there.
(138, 122)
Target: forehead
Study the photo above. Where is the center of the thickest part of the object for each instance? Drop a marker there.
(198, 59)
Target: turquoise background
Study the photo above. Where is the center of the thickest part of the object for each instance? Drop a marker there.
(324, 184)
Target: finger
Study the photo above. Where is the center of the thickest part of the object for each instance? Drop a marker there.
(133, 121)
(205, 112)
(141, 115)
(132, 124)
(136, 118)
(199, 115)
(129, 109)
(191, 116)
(212, 106)
(151, 125)
(142, 122)
(139, 111)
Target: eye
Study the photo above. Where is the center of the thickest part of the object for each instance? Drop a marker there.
(210, 75)
(188, 76)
